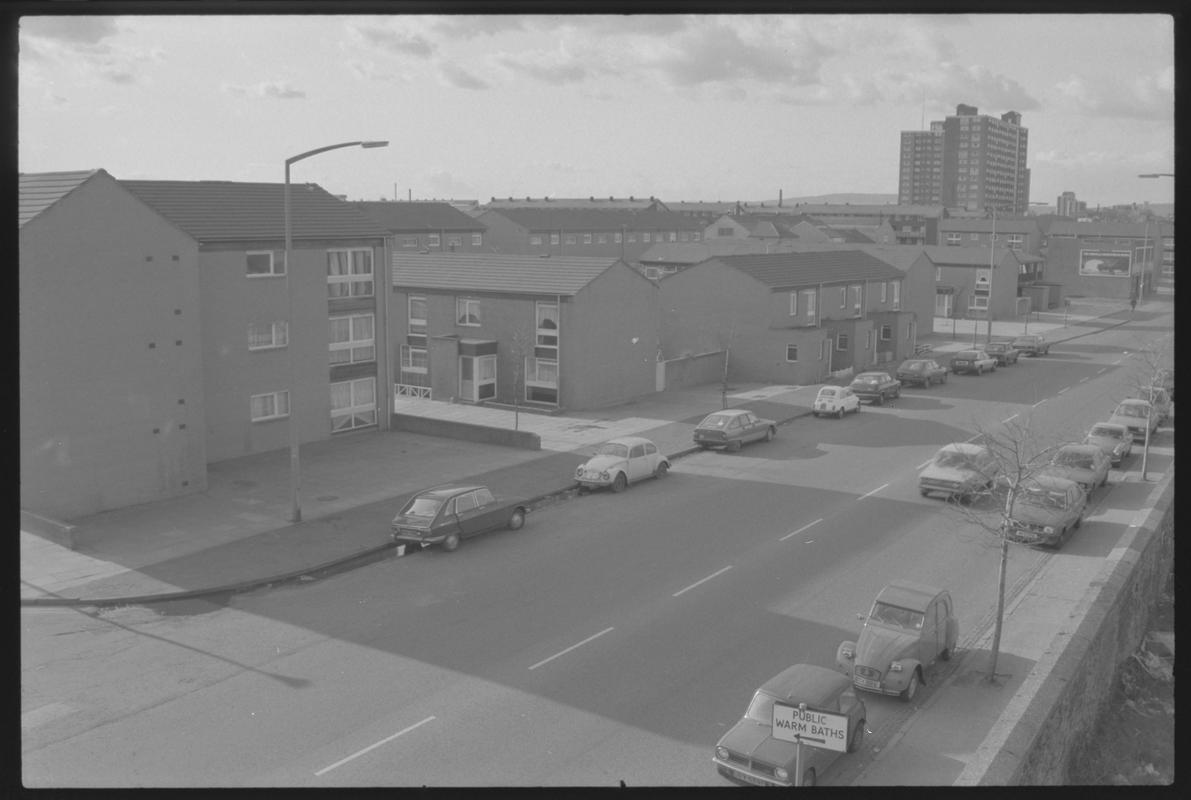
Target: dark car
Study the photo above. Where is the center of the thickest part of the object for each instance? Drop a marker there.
(446, 514)
(876, 387)
(749, 753)
(1032, 344)
(731, 428)
(1046, 509)
(922, 371)
(1004, 352)
(976, 361)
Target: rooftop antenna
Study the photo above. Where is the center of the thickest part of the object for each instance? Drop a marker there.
(923, 108)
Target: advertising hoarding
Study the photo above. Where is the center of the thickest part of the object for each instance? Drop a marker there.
(1112, 263)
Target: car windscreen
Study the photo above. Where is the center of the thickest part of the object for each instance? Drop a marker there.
(761, 709)
(897, 616)
(613, 449)
(1073, 459)
(1131, 410)
(914, 366)
(1042, 498)
(828, 392)
(954, 460)
(1111, 433)
(866, 380)
(425, 507)
(965, 355)
(716, 421)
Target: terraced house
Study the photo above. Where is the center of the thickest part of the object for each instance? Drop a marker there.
(415, 226)
(588, 233)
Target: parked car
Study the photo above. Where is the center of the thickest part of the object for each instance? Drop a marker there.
(959, 470)
(1165, 379)
(1135, 415)
(733, 427)
(1004, 352)
(876, 387)
(1159, 398)
(1114, 441)
(1085, 464)
(922, 371)
(1045, 510)
(749, 754)
(619, 462)
(976, 361)
(1031, 344)
(447, 514)
(835, 401)
(910, 627)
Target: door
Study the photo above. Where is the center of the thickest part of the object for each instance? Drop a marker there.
(943, 304)
(930, 636)
(750, 430)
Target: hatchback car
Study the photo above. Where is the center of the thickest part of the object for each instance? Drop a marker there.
(910, 627)
(1031, 344)
(1004, 352)
(876, 387)
(1045, 510)
(835, 401)
(749, 754)
(922, 372)
(976, 361)
(1114, 441)
(447, 514)
(1160, 399)
(1085, 464)
(959, 471)
(1135, 415)
(619, 462)
(731, 428)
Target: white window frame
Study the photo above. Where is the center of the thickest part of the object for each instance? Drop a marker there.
(812, 296)
(632, 235)
(276, 264)
(856, 301)
(617, 238)
(587, 238)
(571, 238)
(553, 238)
(601, 238)
(696, 236)
(454, 240)
(477, 240)
(842, 341)
(465, 308)
(415, 359)
(358, 350)
(954, 239)
(275, 399)
(535, 239)
(978, 302)
(790, 347)
(358, 284)
(938, 273)
(278, 333)
(544, 334)
(541, 373)
(645, 237)
(794, 304)
(409, 241)
(886, 333)
(897, 295)
(884, 291)
(433, 240)
(361, 409)
(416, 326)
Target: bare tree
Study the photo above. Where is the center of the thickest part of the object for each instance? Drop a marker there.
(1149, 363)
(518, 350)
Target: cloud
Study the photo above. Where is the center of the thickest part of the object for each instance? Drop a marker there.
(468, 26)
(1141, 97)
(1099, 159)
(550, 66)
(445, 185)
(278, 90)
(70, 30)
(454, 75)
(401, 42)
(944, 83)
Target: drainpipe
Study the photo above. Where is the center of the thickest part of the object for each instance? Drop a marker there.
(384, 360)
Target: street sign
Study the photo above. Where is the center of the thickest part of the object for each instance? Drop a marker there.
(810, 727)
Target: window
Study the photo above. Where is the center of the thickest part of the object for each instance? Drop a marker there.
(897, 294)
(264, 262)
(673, 236)
(938, 273)
(978, 301)
(416, 332)
(465, 503)
(477, 378)
(349, 273)
(414, 359)
(843, 297)
(541, 380)
(353, 404)
(791, 352)
(856, 296)
(974, 236)
(409, 241)
(842, 342)
(546, 344)
(535, 240)
(884, 290)
(353, 339)
(696, 236)
(954, 239)
(725, 231)
(477, 239)
(273, 405)
(886, 333)
(587, 238)
(808, 302)
(632, 236)
(617, 237)
(553, 238)
(1015, 241)
(454, 241)
(262, 336)
(570, 238)
(467, 312)
(793, 304)
(645, 237)
(432, 240)
(602, 238)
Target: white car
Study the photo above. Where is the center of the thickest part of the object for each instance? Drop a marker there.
(959, 471)
(619, 462)
(1114, 441)
(836, 401)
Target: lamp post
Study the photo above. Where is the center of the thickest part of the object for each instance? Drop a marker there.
(1156, 175)
(992, 247)
(295, 470)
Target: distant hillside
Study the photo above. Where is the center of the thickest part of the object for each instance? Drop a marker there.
(841, 198)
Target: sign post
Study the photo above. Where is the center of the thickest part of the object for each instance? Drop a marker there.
(803, 725)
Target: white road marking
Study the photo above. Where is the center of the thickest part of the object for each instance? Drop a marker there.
(1084, 378)
(1118, 361)
(874, 491)
(359, 753)
(1009, 419)
(1065, 388)
(924, 464)
(809, 541)
(704, 580)
(572, 647)
(800, 530)
(1040, 402)
(1102, 370)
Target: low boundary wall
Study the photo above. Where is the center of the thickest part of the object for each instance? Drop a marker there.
(467, 431)
(57, 532)
(1068, 688)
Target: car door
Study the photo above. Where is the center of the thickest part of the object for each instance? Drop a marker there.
(928, 638)
(447, 521)
(848, 399)
(652, 459)
(469, 514)
(637, 462)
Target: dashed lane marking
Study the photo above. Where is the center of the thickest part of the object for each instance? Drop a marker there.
(702, 580)
(370, 747)
(800, 530)
(874, 491)
(1009, 419)
(572, 647)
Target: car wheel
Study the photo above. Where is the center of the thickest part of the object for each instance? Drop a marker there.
(923, 492)
(815, 414)
(662, 470)
(451, 543)
(912, 689)
(517, 520)
(620, 482)
(980, 370)
(770, 434)
(944, 379)
(1078, 521)
(736, 445)
(839, 413)
(945, 655)
(808, 777)
(857, 740)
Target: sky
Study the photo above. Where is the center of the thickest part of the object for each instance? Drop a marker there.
(680, 107)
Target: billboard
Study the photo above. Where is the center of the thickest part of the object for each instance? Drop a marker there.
(1105, 262)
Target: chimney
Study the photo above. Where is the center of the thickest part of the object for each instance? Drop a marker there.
(779, 198)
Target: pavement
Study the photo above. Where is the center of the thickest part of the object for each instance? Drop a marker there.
(236, 535)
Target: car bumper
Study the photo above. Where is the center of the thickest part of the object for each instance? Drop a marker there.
(876, 687)
(871, 397)
(415, 537)
(712, 443)
(946, 491)
(593, 483)
(738, 773)
(1026, 536)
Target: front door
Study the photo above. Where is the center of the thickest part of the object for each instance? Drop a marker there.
(477, 378)
(944, 304)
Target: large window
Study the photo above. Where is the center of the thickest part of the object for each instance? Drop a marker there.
(353, 339)
(414, 360)
(546, 343)
(416, 332)
(477, 239)
(433, 240)
(353, 404)
(477, 378)
(266, 335)
(349, 273)
(808, 302)
(467, 312)
(791, 352)
(273, 405)
(454, 241)
(541, 380)
(856, 297)
(264, 262)
(897, 295)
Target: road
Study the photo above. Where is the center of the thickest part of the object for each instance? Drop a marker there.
(614, 638)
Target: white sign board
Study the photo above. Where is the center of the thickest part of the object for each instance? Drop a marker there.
(816, 728)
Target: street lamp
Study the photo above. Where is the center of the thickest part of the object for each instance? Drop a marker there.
(992, 245)
(295, 471)
(1156, 175)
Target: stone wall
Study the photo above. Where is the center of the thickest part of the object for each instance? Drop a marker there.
(467, 431)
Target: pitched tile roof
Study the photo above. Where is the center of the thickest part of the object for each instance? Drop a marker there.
(40, 190)
(402, 216)
(232, 211)
(965, 256)
(622, 203)
(850, 210)
(1123, 229)
(486, 272)
(850, 235)
(804, 268)
(983, 225)
(694, 252)
(580, 219)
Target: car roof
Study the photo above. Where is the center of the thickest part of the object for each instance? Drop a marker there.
(964, 447)
(731, 412)
(1114, 425)
(629, 440)
(965, 352)
(1045, 480)
(1079, 448)
(1133, 401)
(450, 490)
(1026, 336)
(807, 683)
(873, 375)
(907, 594)
(912, 361)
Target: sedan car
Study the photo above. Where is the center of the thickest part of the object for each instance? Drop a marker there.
(749, 754)
(731, 428)
(1045, 510)
(835, 401)
(876, 387)
(1031, 344)
(1160, 399)
(921, 371)
(1085, 464)
(959, 471)
(1114, 441)
(910, 627)
(1004, 352)
(1135, 415)
(976, 361)
(447, 514)
(619, 462)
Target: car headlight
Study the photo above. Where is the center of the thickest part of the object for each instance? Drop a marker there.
(896, 666)
(1048, 529)
(721, 752)
(604, 475)
(781, 774)
(579, 472)
(848, 653)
